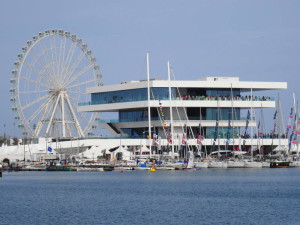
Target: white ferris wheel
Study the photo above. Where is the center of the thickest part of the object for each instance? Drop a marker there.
(49, 81)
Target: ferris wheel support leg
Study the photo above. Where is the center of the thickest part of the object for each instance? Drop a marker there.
(52, 115)
(63, 117)
(79, 130)
(40, 123)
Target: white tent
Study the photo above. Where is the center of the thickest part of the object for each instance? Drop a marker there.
(280, 148)
(123, 152)
(93, 152)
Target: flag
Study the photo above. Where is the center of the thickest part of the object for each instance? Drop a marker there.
(275, 114)
(169, 139)
(261, 150)
(228, 131)
(289, 122)
(155, 141)
(200, 137)
(184, 139)
(247, 122)
(49, 149)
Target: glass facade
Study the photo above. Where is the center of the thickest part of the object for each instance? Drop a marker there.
(132, 95)
(224, 113)
(162, 93)
(222, 132)
(119, 96)
(138, 132)
(222, 92)
(137, 115)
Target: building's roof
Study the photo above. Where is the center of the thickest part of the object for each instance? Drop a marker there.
(206, 82)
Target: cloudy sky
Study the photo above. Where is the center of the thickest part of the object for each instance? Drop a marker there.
(253, 39)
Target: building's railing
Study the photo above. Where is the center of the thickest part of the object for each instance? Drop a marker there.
(191, 119)
(211, 137)
(185, 97)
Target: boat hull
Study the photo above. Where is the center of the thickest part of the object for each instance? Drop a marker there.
(295, 164)
(61, 168)
(279, 164)
(201, 164)
(253, 165)
(235, 164)
(217, 165)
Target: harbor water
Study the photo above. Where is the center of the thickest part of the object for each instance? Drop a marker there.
(207, 196)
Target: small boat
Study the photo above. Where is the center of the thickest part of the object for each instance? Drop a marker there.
(165, 168)
(142, 167)
(252, 164)
(217, 164)
(235, 164)
(152, 169)
(60, 168)
(279, 164)
(266, 164)
(201, 164)
(295, 164)
(108, 168)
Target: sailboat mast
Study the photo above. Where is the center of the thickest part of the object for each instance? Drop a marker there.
(149, 110)
(251, 129)
(171, 110)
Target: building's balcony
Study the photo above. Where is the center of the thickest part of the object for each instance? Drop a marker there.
(175, 120)
(184, 98)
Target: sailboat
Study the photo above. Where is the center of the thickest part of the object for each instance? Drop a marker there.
(251, 163)
(217, 163)
(282, 150)
(235, 161)
(191, 164)
(294, 140)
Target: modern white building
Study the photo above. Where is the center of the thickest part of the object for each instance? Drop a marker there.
(214, 107)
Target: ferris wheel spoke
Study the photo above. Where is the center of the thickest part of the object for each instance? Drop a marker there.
(32, 69)
(34, 102)
(61, 55)
(69, 59)
(74, 66)
(82, 83)
(29, 92)
(56, 57)
(38, 110)
(54, 75)
(77, 92)
(80, 73)
(47, 57)
(34, 81)
(38, 59)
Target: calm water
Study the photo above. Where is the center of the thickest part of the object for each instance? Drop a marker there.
(230, 196)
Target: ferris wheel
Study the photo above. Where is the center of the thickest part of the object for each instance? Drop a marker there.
(49, 81)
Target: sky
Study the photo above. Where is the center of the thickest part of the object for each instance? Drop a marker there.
(253, 39)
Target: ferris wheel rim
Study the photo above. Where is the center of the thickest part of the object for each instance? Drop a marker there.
(17, 106)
